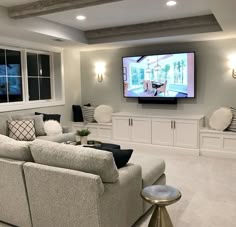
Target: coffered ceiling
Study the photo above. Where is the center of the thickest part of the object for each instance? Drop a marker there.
(147, 21)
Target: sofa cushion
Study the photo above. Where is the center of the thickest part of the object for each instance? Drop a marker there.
(152, 167)
(70, 136)
(22, 130)
(12, 149)
(3, 124)
(75, 157)
(38, 122)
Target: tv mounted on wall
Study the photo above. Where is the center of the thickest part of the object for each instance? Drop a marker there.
(159, 77)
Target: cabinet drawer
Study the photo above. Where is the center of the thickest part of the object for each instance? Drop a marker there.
(211, 141)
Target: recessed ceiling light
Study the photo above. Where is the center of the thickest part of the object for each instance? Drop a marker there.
(171, 3)
(80, 17)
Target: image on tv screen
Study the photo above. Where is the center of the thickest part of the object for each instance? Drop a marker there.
(167, 75)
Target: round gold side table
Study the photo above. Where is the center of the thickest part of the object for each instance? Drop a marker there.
(160, 196)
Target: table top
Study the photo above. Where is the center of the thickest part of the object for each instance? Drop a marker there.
(161, 195)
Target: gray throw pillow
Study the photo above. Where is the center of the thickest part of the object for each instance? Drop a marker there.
(38, 122)
(3, 124)
(88, 113)
(12, 149)
(75, 157)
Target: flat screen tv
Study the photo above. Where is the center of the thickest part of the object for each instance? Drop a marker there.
(162, 76)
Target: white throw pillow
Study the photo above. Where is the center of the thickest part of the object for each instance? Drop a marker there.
(103, 114)
(52, 128)
(221, 119)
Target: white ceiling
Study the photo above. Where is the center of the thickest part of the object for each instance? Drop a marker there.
(129, 12)
(140, 11)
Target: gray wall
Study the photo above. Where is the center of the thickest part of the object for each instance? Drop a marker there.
(215, 85)
(71, 61)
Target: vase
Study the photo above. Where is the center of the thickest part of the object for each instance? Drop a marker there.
(83, 140)
(77, 138)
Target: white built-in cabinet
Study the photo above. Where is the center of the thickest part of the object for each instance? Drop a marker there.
(133, 129)
(173, 131)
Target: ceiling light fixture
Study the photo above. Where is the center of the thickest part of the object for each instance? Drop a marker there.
(171, 3)
(80, 17)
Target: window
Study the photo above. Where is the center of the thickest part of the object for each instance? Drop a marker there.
(39, 76)
(30, 79)
(10, 76)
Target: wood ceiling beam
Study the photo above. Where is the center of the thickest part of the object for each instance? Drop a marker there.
(189, 25)
(44, 7)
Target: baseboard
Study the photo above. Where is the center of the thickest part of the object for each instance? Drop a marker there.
(151, 147)
(218, 154)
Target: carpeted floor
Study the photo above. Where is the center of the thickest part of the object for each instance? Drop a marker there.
(208, 187)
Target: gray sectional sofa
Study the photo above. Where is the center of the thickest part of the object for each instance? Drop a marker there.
(46, 184)
(66, 136)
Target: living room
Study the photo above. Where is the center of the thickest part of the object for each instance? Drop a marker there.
(202, 170)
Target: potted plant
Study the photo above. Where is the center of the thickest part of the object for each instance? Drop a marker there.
(82, 135)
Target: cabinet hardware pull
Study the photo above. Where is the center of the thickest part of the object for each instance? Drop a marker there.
(174, 124)
(131, 122)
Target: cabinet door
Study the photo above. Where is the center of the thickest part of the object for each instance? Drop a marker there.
(186, 133)
(121, 129)
(140, 130)
(162, 132)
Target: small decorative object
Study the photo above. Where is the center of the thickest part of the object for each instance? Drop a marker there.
(82, 135)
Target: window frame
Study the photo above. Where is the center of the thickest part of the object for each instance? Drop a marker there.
(26, 103)
(52, 77)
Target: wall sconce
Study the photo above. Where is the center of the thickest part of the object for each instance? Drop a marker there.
(232, 64)
(234, 73)
(100, 70)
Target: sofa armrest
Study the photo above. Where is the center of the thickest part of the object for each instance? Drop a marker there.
(62, 197)
(65, 129)
(121, 203)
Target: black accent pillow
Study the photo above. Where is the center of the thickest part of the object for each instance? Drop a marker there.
(77, 113)
(46, 117)
(121, 156)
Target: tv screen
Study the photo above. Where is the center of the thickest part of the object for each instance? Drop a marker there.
(163, 75)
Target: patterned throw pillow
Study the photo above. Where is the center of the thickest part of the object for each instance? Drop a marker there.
(88, 113)
(232, 126)
(22, 130)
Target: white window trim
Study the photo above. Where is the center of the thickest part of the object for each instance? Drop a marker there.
(26, 104)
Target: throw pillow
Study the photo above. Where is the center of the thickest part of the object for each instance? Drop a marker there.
(88, 113)
(77, 113)
(3, 124)
(46, 117)
(52, 128)
(232, 126)
(75, 157)
(22, 130)
(221, 119)
(38, 122)
(103, 114)
(17, 150)
(121, 156)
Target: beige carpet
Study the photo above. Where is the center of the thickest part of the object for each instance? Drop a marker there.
(208, 187)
